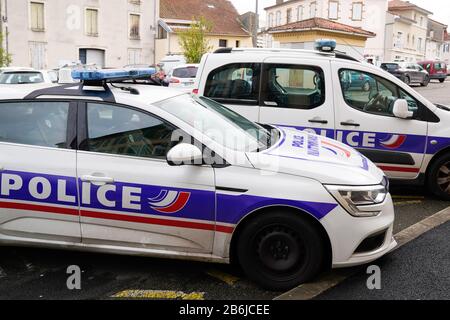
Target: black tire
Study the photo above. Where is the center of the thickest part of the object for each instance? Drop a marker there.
(441, 80)
(438, 173)
(425, 82)
(280, 250)
(407, 80)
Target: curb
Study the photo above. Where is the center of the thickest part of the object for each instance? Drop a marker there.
(329, 280)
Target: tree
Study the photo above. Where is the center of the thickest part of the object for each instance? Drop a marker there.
(5, 58)
(193, 41)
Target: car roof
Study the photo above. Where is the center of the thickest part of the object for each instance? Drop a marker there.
(148, 94)
(189, 65)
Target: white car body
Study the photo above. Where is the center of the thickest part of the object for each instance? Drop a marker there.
(171, 61)
(403, 148)
(180, 76)
(76, 199)
(45, 76)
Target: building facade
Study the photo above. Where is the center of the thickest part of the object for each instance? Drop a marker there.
(50, 33)
(176, 15)
(435, 40)
(406, 32)
(358, 25)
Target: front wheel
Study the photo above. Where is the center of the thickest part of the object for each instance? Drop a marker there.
(441, 80)
(425, 82)
(438, 180)
(280, 250)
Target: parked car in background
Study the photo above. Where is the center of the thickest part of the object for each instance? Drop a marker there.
(356, 80)
(408, 72)
(183, 76)
(171, 61)
(21, 76)
(436, 69)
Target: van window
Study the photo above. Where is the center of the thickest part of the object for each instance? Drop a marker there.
(234, 83)
(293, 86)
(372, 94)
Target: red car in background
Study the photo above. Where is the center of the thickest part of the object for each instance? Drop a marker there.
(437, 69)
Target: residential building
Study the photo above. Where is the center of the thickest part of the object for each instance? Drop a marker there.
(357, 25)
(406, 31)
(49, 33)
(435, 40)
(177, 16)
(446, 49)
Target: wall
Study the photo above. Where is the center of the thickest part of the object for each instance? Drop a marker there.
(65, 31)
(172, 42)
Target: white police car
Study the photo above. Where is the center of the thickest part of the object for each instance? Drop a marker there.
(333, 95)
(134, 169)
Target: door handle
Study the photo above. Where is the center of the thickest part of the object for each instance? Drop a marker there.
(350, 123)
(318, 121)
(97, 179)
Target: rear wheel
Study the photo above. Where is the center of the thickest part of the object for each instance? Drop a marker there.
(407, 80)
(441, 80)
(438, 180)
(280, 250)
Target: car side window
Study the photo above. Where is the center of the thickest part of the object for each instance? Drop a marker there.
(234, 83)
(34, 123)
(370, 93)
(123, 131)
(293, 86)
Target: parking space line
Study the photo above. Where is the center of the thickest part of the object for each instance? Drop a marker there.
(310, 290)
(159, 295)
(396, 197)
(222, 276)
(401, 203)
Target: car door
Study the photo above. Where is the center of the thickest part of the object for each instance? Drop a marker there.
(365, 120)
(236, 85)
(297, 95)
(130, 195)
(38, 194)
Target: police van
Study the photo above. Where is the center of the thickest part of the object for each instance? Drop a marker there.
(334, 95)
(111, 166)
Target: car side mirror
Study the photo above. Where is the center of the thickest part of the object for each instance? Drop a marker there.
(184, 154)
(401, 109)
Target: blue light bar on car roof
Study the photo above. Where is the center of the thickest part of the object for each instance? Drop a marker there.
(325, 45)
(112, 74)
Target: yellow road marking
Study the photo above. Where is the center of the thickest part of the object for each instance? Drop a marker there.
(224, 277)
(409, 197)
(159, 294)
(399, 203)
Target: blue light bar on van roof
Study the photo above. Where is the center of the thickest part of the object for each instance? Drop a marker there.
(325, 45)
(112, 74)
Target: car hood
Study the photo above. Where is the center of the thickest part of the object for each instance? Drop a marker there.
(309, 155)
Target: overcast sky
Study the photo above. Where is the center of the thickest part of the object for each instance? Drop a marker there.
(441, 8)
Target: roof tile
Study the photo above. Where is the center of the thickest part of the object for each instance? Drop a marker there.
(320, 23)
(221, 13)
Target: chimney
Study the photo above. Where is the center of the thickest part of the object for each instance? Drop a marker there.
(280, 1)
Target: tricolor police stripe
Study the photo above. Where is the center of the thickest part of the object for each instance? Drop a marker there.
(147, 204)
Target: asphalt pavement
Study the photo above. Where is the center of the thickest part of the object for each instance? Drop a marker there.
(417, 271)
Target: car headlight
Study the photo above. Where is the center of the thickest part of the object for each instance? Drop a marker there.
(360, 201)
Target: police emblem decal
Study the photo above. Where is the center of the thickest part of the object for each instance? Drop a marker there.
(169, 201)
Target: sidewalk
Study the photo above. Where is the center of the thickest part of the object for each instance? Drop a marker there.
(418, 271)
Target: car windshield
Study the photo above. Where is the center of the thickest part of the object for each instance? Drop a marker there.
(391, 66)
(187, 72)
(21, 77)
(219, 123)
